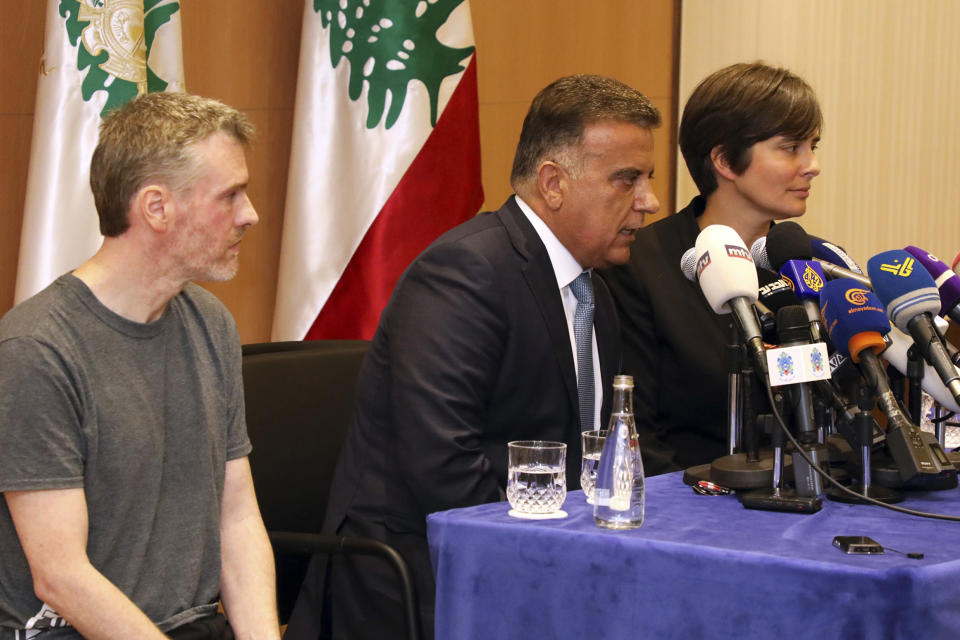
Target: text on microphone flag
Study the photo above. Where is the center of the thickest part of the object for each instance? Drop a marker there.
(735, 251)
(858, 297)
(703, 263)
(903, 270)
(812, 279)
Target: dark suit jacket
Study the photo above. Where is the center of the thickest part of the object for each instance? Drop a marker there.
(674, 345)
(472, 351)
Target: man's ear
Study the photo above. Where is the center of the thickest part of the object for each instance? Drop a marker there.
(153, 204)
(551, 180)
(721, 164)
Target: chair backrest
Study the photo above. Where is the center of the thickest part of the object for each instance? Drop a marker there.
(299, 401)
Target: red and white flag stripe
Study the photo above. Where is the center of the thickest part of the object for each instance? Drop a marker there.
(385, 157)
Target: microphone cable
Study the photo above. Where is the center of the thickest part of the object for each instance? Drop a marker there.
(833, 481)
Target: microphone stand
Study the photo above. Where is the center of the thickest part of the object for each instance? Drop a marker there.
(940, 417)
(940, 429)
(776, 497)
(746, 466)
(898, 384)
(736, 356)
(915, 378)
(863, 424)
(751, 468)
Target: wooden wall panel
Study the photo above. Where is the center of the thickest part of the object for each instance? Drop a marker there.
(246, 54)
(248, 59)
(523, 46)
(21, 43)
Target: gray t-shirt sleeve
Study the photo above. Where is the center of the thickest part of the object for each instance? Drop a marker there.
(41, 442)
(238, 442)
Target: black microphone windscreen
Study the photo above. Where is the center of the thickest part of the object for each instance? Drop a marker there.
(793, 325)
(775, 292)
(787, 241)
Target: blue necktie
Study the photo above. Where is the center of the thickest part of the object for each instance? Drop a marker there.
(582, 288)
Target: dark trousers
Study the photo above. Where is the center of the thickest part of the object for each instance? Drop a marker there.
(357, 597)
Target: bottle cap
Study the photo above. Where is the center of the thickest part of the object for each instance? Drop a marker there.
(623, 381)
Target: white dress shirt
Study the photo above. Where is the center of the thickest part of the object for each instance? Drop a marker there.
(566, 269)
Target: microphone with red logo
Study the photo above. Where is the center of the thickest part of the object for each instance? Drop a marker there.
(855, 319)
(948, 283)
(728, 279)
(912, 299)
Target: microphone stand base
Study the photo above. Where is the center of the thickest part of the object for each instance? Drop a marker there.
(693, 475)
(886, 474)
(954, 458)
(782, 500)
(881, 494)
(737, 471)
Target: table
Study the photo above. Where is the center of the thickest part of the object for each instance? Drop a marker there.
(700, 567)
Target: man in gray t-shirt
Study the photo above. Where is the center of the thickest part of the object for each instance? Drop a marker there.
(128, 504)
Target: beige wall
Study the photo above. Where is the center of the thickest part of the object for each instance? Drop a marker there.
(248, 58)
(888, 77)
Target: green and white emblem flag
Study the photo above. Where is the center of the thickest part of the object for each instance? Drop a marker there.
(97, 55)
(385, 156)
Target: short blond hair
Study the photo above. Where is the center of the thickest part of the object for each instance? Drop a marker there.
(150, 138)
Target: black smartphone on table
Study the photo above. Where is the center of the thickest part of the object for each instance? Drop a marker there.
(857, 545)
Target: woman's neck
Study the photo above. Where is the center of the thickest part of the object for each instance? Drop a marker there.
(748, 225)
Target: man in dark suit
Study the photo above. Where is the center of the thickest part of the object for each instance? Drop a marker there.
(477, 347)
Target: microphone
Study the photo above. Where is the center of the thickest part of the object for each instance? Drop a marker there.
(855, 319)
(774, 294)
(788, 241)
(688, 264)
(806, 279)
(946, 280)
(785, 241)
(912, 299)
(828, 252)
(837, 273)
(728, 279)
(793, 326)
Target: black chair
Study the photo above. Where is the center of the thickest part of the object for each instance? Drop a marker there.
(299, 400)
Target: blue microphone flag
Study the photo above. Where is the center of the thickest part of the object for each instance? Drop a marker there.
(805, 276)
(849, 309)
(903, 285)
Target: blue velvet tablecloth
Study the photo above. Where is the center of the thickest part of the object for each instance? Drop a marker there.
(700, 567)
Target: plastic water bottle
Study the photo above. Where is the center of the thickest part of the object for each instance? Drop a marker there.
(619, 497)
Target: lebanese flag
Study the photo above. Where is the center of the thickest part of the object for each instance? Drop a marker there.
(97, 54)
(385, 157)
